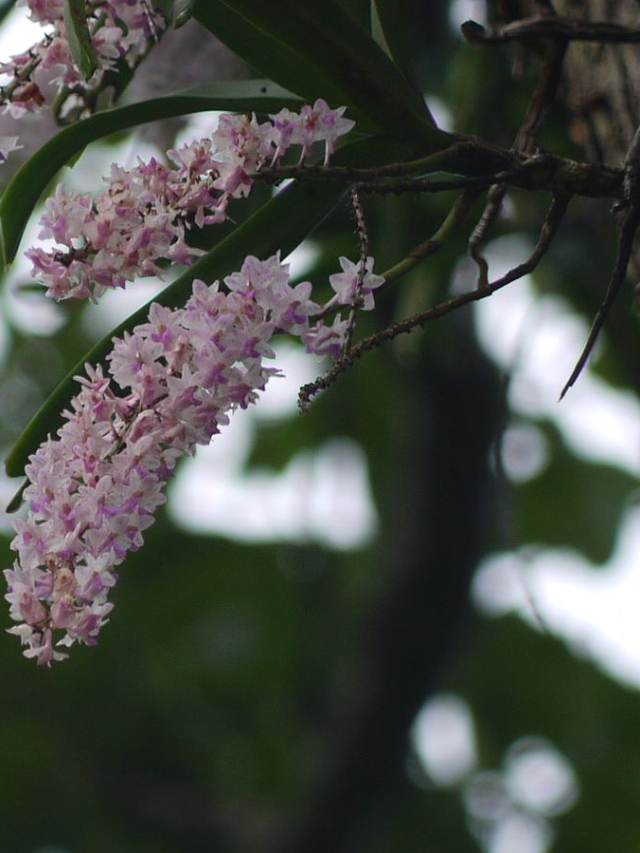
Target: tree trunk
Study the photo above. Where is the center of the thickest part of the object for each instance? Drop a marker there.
(601, 81)
(603, 84)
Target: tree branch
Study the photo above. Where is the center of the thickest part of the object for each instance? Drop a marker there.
(629, 228)
(481, 164)
(550, 225)
(550, 27)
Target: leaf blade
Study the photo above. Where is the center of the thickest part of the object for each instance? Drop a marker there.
(79, 37)
(260, 50)
(397, 23)
(341, 52)
(5, 7)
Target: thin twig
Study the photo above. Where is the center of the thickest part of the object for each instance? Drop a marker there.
(479, 234)
(433, 244)
(625, 248)
(363, 245)
(543, 96)
(477, 160)
(550, 225)
(353, 174)
(525, 143)
(544, 26)
(419, 253)
(538, 162)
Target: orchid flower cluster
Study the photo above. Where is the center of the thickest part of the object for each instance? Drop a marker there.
(171, 384)
(142, 216)
(119, 30)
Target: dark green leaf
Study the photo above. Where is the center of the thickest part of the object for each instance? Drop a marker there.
(22, 194)
(360, 10)
(396, 24)
(287, 66)
(16, 501)
(75, 21)
(5, 7)
(326, 41)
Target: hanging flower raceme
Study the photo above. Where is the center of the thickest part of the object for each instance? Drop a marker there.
(93, 489)
(142, 216)
(172, 384)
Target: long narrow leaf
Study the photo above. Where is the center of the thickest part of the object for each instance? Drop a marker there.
(324, 40)
(360, 10)
(332, 25)
(23, 192)
(287, 65)
(397, 22)
(79, 38)
(281, 224)
(5, 7)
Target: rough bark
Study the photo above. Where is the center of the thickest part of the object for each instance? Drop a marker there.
(602, 81)
(601, 86)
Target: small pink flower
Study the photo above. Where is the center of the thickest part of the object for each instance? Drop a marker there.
(325, 340)
(346, 283)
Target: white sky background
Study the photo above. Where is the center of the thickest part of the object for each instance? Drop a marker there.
(594, 610)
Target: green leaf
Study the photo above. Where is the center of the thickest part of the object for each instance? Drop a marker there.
(378, 33)
(16, 501)
(287, 66)
(5, 7)
(360, 10)
(23, 192)
(323, 44)
(75, 21)
(395, 24)
(280, 225)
